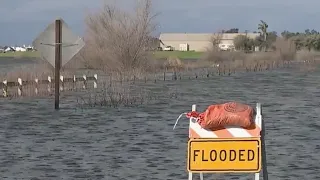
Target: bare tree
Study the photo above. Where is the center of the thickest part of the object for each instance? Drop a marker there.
(215, 40)
(119, 41)
(213, 54)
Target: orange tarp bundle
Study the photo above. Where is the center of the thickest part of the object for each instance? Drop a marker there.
(227, 114)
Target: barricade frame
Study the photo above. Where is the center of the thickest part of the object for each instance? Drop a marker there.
(259, 122)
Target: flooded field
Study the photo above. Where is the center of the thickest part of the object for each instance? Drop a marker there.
(138, 142)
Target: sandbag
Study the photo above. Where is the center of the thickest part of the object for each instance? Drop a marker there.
(227, 114)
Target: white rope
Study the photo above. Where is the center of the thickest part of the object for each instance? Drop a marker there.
(178, 120)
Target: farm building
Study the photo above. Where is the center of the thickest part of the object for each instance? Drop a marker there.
(198, 41)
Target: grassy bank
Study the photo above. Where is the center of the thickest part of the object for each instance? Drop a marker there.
(157, 54)
(27, 54)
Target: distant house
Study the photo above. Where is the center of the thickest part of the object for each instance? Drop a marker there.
(20, 49)
(28, 48)
(199, 41)
(9, 49)
(16, 48)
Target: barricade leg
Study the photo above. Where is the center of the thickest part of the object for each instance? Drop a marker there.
(264, 153)
(201, 176)
(190, 176)
(258, 122)
(256, 176)
(194, 108)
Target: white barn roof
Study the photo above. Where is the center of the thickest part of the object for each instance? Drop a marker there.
(200, 36)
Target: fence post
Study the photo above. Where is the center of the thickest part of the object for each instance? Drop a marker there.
(5, 88)
(74, 83)
(95, 83)
(36, 85)
(110, 80)
(19, 86)
(49, 84)
(84, 81)
(62, 84)
(174, 76)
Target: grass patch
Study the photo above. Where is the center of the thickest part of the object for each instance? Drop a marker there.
(178, 54)
(20, 54)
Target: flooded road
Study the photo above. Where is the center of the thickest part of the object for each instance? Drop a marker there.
(138, 142)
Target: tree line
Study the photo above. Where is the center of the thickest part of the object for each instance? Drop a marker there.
(309, 39)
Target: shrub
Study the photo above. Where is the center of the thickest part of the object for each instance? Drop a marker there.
(119, 41)
(285, 49)
(174, 63)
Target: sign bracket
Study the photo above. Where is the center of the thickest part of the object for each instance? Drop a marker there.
(62, 44)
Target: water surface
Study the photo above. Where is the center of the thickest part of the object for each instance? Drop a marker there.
(138, 142)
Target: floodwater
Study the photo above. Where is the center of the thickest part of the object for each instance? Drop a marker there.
(138, 142)
(10, 64)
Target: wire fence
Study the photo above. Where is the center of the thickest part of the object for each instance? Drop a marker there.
(45, 87)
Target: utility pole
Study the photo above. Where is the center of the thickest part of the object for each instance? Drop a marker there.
(58, 55)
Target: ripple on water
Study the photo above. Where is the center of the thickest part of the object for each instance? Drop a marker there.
(139, 143)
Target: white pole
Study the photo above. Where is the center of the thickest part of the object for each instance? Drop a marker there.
(258, 122)
(95, 83)
(49, 84)
(74, 82)
(190, 176)
(36, 80)
(201, 176)
(62, 84)
(5, 88)
(20, 86)
(84, 81)
(194, 108)
(264, 153)
(256, 176)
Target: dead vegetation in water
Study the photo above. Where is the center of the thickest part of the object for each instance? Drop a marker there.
(116, 94)
(284, 54)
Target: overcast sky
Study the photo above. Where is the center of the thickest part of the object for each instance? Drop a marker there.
(22, 20)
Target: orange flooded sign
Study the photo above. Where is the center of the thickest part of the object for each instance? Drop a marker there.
(224, 155)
